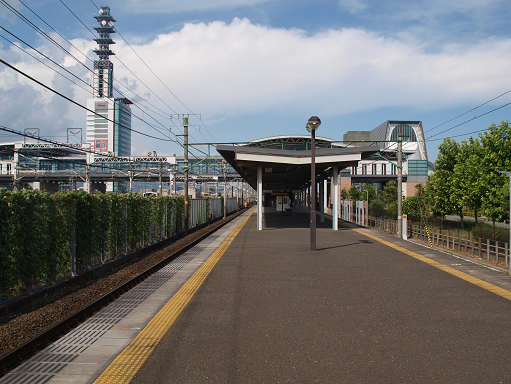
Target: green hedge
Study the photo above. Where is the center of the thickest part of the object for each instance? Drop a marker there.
(40, 233)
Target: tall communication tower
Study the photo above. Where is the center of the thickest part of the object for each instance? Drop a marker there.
(103, 68)
(108, 118)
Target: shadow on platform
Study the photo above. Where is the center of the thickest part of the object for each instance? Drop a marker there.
(300, 219)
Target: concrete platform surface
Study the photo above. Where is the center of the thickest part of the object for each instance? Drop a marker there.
(365, 307)
(354, 311)
(85, 352)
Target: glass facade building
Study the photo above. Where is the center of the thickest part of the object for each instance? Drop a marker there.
(122, 127)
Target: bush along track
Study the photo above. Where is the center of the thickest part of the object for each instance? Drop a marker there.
(58, 313)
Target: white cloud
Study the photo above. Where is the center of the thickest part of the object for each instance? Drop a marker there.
(241, 69)
(245, 68)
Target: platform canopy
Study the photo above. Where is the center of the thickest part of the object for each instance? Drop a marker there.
(286, 160)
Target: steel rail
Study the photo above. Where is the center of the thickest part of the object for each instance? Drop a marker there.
(17, 356)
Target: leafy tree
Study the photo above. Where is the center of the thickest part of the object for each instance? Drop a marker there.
(496, 142)
(422, 199)
(355, 193)
(389, 197)
(439, 191)
(440, 184)
(345, 194)
(389, 193)
(468, 187)
(447, 155)
(371, 192)
(411, 206)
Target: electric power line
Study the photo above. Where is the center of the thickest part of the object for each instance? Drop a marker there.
(474, 118)
(137, 76)
(37, 29)
(53, 69)
(68, 53)
(454, 118)
(173, 94)
(78, 104)
(69, 9)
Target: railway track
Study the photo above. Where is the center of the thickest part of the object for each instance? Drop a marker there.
(20, 354)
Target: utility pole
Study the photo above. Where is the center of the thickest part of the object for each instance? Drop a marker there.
(185, 135)
(185, 127)
(225, 190)
(174, 177)
(160, 191)
(400, 186)
(87, 178)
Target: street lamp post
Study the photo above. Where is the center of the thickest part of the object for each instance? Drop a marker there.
(312, 125)
(509, 252)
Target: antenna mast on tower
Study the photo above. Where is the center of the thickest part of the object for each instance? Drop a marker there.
(103, 68)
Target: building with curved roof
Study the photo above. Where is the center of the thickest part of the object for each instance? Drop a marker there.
(382, 167)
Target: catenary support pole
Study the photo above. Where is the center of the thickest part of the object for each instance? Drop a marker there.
(185, 127)
(400, 188)
(322, 200)
(225, 190)
(335, 199)
(160, 190)
(259, 198)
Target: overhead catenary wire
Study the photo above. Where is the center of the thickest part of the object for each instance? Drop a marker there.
(69, 9)
(84, 88)
(138, 78)
(467, 121)
(87, 57)
(64, 145)
(48, 37)
(41, 32)
(119, 59)
(131, 113)
(473, 109)
(78, 104)
(42, 54)
(148, 67)
(37, 29)
(68, 53)
(463, 134)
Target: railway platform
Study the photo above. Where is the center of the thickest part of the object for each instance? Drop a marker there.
(248, 306)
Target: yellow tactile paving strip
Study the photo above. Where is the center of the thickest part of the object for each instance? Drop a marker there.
(471, 279)
(127, 364)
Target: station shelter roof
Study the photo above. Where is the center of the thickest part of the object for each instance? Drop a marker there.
(289, 169)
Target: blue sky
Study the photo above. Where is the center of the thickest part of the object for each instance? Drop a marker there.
(262, 67)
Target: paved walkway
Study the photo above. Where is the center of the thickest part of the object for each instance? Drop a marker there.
(252, 306)
(354, 311)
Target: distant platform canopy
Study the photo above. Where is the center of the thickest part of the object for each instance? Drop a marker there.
(286, 160)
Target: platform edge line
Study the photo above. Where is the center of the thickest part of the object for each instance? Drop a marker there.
(132, 358)
(471, 279)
